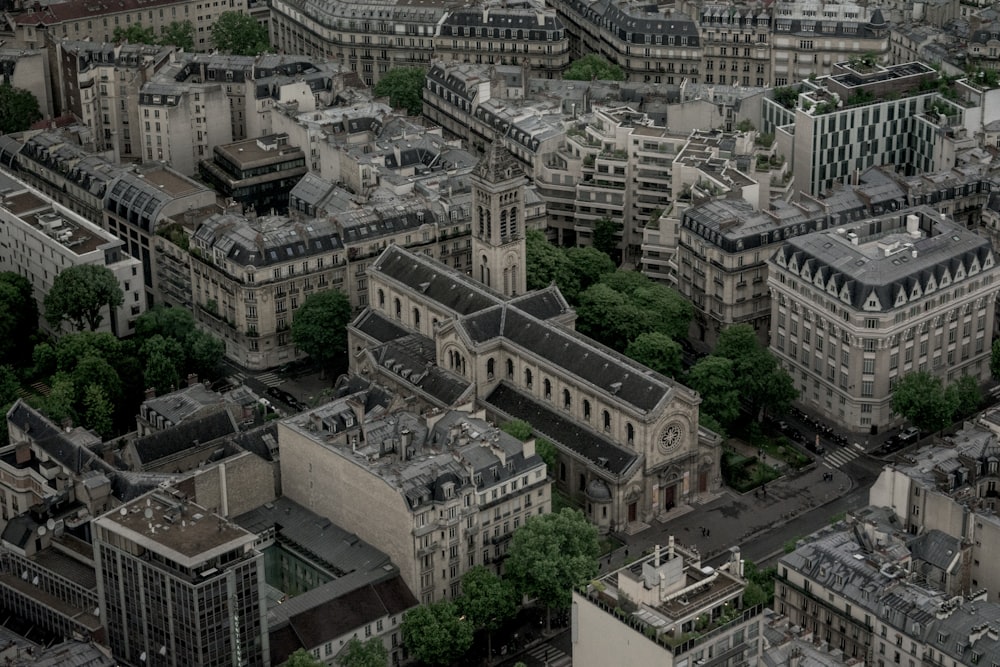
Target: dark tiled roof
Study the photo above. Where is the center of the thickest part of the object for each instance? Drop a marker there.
(52, 440)
(260, 441)
(185, 435)
(411, 359)
(352, 611)
(450, 289)
(283, 642)
(374, 325)
(543, 304)
(610, 372)
(553, 426)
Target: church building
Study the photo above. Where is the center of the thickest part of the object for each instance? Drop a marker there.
(630, 447)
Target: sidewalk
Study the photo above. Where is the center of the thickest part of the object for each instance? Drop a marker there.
(733, 518)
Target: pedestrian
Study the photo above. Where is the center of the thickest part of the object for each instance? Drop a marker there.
(626, 552)
(708, 532)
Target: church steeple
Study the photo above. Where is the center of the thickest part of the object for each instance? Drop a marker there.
(498, 248)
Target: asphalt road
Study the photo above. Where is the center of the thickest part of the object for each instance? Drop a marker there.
(767, 547)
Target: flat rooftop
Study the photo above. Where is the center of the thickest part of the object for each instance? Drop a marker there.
(171, 182)
(180, 526)
(262, 150)
(71, 235)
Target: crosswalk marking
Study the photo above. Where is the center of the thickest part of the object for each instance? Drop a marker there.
(555, 656)
(840, 457)
(271, 379)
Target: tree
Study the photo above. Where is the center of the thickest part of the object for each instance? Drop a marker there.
(486, 601)
(761, 382)
(369, 653)
(96, 370)
(404, 87)
(58, 405)
(967, 396)
(593, 66)
(435, 634)
(135, 33)
(302, 658)
(161, 355)
(319, 327)
(604, 315)
(605, 235)
(552, 554)
(18, 318)
(240, 35)
(584, 267)
(203, 350)
(658, 351)
(9, 385)
(18, 109)
(544, 262)
(179, 34)
(713, 378)
(995, 359)
(98, 412)
(921, 398)
(518, 428)
(545, 449)
(79, 294)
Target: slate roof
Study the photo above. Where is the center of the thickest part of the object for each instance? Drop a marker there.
(608, 371)
(337, 550)
(261, 441)
(378, 327)
(858, 270)
(448, 288)
(954, 634)
(352, 611)
(412, 359)
(936, 548)
(189, 433)
(53, 440)
(555, 427)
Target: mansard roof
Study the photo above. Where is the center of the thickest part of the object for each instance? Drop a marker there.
(889, 269)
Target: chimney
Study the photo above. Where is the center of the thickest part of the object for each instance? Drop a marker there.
(913, 225)
(670, 547)
(656, 557)
(192, 379)
(150, 393)
(22, 454)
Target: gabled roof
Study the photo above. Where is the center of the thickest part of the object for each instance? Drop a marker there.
(53, 440)
(451, 290)
(559, 430)
(189, 433)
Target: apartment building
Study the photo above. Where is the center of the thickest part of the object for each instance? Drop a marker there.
(856, 307)
(530, 36)
(867, 115)
(661, 46)
(99, 84)
(179, 585)
(951, 487)
(848, 585)
(28, 69)
(666, 609)
(82, 19)
(40, 239)
(179, 107)
(336, 585)
(449, 488)
(256, 173)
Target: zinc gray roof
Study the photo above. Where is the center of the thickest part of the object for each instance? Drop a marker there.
(936, 548)
(867, 268)
(320, 540)
(546, 422)
(411, 359)
(448, 288)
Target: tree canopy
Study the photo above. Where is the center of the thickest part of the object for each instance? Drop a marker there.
(487, 601)
(626, 304)
(319, 327)
(605, 236)
(404, 87)
(79, 294)
(18, 318)
(550, 555)
(658, 351)
(714, 379)
(761, 382)
(240, 34)
(134, 33)
(573, 270)
(18, 109)
(593, 66)
(435, 634)
(369, 653)
(202, 350)
(176, 33)
(302, 658)
(923, 399)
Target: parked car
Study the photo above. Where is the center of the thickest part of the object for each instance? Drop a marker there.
(909, 435)
(286, 398)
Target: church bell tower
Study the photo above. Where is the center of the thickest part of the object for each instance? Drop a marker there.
(498, 245)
